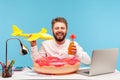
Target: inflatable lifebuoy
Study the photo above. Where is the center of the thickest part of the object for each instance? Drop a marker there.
(54, 65)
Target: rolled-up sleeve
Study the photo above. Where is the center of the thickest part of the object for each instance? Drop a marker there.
(34, 54)
(82, 55)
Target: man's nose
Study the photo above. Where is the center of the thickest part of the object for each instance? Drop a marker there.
(60, 29)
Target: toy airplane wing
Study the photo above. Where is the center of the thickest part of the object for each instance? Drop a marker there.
(43, 30)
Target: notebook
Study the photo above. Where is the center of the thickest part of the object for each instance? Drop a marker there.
(102, 62)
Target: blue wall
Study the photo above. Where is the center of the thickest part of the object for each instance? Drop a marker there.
(95, 23)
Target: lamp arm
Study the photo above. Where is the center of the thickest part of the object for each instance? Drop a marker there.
(6, 56)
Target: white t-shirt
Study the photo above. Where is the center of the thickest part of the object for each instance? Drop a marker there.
(51, 48)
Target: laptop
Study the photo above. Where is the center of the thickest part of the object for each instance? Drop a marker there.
(103, 61)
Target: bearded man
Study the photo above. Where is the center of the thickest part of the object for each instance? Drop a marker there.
(58, 47)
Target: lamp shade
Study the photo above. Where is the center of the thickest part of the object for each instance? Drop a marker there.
(24, 50)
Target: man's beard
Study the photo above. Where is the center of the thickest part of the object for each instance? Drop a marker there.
(61, 39)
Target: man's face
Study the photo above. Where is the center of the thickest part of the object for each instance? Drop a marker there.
(59, 31)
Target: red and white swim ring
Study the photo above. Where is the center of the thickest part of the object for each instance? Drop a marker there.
(54, 65)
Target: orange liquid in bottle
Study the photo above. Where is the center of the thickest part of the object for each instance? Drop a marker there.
(70, 48)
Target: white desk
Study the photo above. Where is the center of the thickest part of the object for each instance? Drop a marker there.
(29, 74)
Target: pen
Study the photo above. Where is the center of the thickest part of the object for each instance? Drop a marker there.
(11, 64)
(8, 63)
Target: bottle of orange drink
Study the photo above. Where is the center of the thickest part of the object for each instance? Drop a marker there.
(72, 37)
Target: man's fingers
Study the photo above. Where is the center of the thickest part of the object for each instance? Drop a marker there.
(73, 49)
(29, 35)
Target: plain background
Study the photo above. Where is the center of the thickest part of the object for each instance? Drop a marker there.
(96, 23)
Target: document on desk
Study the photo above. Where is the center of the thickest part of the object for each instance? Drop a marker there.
(32, 73)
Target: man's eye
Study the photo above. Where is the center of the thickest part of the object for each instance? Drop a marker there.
(62, 28)
(56, 28)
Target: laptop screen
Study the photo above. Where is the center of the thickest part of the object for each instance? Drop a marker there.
(103, 61)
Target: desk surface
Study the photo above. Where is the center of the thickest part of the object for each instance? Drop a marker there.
(29, 74)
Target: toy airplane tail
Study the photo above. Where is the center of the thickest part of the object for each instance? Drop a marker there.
(18, 32)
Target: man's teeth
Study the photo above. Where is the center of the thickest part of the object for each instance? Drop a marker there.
(59, 34)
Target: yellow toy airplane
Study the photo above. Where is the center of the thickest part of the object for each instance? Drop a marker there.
(34, 36)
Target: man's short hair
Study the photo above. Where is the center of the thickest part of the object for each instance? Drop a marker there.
(59, 19)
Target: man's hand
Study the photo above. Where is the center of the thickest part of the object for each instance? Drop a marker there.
(73, 49)
(33, 43)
